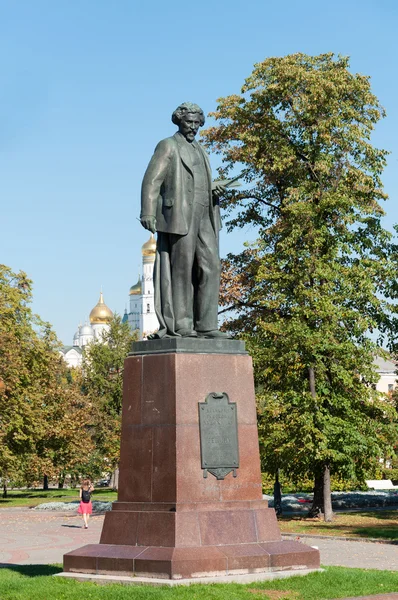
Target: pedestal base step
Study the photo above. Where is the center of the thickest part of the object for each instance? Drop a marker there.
(180, 563)
(153, 581)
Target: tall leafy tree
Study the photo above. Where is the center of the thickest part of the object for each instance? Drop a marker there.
(44, 416)
(306, 295)
(20, 357)
(66, 445)
(103, 364)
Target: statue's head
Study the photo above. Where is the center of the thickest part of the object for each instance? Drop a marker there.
(188, 117)
(183, 109)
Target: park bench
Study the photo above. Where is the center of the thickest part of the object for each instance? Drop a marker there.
(381, 484)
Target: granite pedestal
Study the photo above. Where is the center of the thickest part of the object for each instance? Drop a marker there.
(170, 521)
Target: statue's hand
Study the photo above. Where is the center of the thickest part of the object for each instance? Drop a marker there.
(217, 189)
(149, 223)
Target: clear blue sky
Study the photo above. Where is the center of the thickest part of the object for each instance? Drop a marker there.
(87, 90)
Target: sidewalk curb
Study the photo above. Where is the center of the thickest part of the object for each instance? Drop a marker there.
(67, 513)
(340, 537)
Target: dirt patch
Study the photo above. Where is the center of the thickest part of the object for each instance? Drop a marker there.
(277, 594)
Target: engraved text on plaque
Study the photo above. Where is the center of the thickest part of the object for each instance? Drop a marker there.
(218, 427)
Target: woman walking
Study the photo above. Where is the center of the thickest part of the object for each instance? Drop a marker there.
(85, 506)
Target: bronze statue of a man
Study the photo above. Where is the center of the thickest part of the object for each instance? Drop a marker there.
(180, 202)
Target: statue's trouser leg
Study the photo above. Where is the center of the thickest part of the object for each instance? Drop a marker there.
(208, 276)
(162, 286)
(199, 246)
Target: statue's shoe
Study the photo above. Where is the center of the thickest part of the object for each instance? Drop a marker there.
(187, 333)
(214, 334)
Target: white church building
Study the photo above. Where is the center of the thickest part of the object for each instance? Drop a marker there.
(141, 316)
(100, 317)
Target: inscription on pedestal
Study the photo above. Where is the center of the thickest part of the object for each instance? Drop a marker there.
(218, 426)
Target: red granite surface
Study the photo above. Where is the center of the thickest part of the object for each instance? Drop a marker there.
(170, 521)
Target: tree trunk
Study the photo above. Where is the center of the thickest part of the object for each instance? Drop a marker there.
(317, 506)
(61, 481)
(277, 495)
(317, 502)
(311, 377)
(45, 483)
(322, 502)
(114, 482)
(327, 495)
(5, 494)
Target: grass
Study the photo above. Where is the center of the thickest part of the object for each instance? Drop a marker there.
(29, 498)
(36, 583)
(373, 524)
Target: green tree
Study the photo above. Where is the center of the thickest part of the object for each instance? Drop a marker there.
(43, 414)
(306, 295)
(20, 358)
(103, 364)
(66, 445)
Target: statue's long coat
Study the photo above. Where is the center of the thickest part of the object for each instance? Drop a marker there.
(168, 187)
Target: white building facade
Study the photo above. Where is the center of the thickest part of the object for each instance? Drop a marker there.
(141, 316)
(386, 370)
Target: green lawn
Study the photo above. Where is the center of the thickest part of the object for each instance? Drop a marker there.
(30, 498)
(34, 582)
(373, 524)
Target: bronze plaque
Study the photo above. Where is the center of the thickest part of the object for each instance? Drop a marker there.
(218, 426)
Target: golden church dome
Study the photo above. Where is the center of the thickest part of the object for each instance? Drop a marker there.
(136, 289)
(149, 247)
(101, 313)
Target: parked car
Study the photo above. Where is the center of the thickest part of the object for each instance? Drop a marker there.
(103, 483)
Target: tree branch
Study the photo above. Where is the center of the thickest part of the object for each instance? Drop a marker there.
(257, 197)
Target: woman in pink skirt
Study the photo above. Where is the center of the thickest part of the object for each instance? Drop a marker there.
(85, 506)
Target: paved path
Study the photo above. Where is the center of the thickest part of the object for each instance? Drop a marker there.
(43, 537)
(393, 596)
(364, 555)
